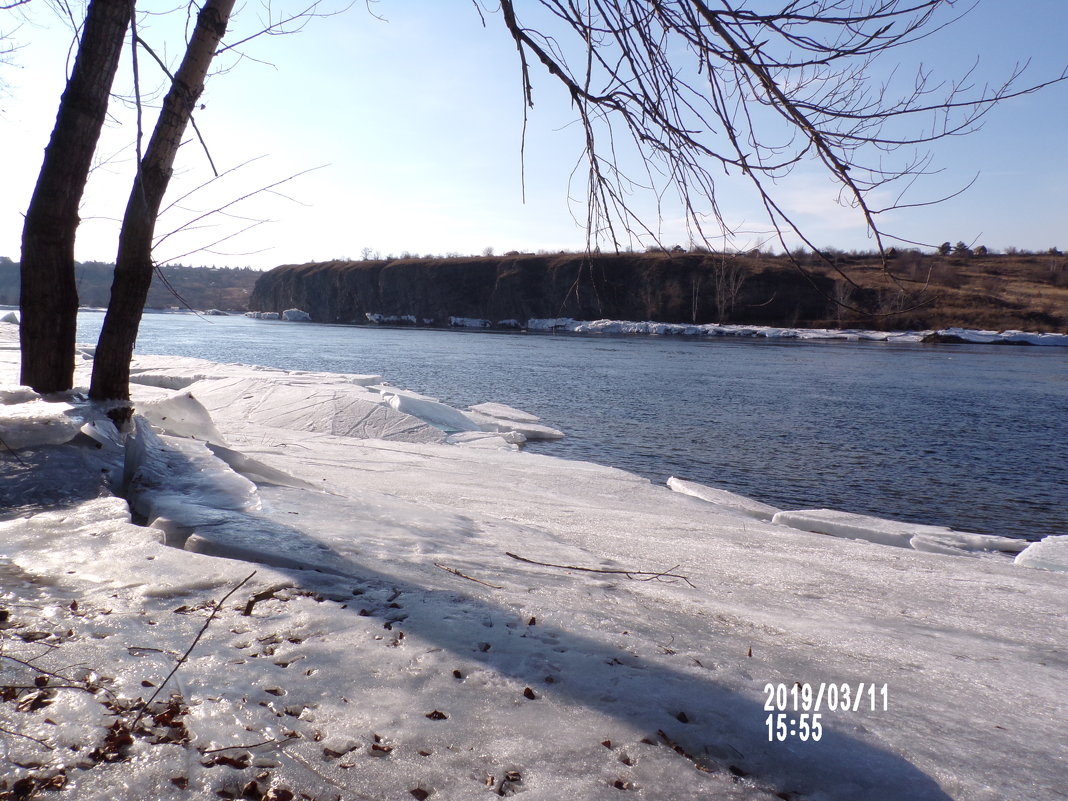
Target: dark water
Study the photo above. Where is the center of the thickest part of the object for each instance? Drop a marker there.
(970, 436)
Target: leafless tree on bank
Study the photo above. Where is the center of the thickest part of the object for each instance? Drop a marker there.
(49, 294)
(728, 275)
(133, 265)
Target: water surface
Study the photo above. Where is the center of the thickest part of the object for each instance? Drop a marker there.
(969, 436)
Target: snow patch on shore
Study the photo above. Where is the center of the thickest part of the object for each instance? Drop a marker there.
(776, 332)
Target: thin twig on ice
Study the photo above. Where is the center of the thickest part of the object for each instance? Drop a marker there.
(646, 575)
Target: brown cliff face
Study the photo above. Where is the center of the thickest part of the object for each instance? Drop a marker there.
(1019, 291)
(684, 288)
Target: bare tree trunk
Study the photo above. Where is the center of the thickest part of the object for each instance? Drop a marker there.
(133, 265)
(49, 295)
(728, 277)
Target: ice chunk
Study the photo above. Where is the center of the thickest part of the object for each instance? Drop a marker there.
(529, 430)
(181, 415)
(256, 470)
(296, 316)
(503, 412)
(484, 439)
(391, 319)
(937, 539)
(315, 402)
(550, 324)
(501, 418)
(436, 414)
(469, 322)
(971, 335)
(16, 394)
(719, 497)
(34, 423)
(104, 433)
(1050, 553)
(180, 479)
(363, 380)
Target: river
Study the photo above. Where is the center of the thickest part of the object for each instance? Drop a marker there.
(969, 436)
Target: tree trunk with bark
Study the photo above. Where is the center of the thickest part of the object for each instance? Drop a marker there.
(133, 265)
(49, 295)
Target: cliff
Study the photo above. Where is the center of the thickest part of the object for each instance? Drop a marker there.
(679, 288)
(990, 292)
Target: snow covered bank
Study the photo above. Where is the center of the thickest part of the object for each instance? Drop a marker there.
(649, 328)
(394, 648)
(963, 335)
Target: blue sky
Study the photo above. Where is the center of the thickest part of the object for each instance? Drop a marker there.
(415, 122)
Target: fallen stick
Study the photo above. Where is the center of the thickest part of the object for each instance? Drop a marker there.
(267, 594)
(456, 572)
(631, 574)
(189, 650)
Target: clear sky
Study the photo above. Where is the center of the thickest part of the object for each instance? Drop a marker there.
(414, 119)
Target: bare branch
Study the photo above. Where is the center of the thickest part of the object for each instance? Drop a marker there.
(283, 26)
(456, 572)
(182, 659)
(631, 574)
(690, 89)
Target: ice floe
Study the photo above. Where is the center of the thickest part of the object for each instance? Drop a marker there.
(723, 499)
(502, 418)
(1050, 553)
(936, 539)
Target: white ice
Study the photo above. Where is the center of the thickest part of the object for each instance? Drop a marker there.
(394, 649)
(776, 332)
(1051, 553)
(723, 499)
(35, 422)
(500, 417)
(469, 322)
(652, 328)
(936, 539)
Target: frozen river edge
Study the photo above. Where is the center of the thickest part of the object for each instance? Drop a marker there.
(964, 336)
(649, 678)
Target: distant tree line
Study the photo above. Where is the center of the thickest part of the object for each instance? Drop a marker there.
(224, 288)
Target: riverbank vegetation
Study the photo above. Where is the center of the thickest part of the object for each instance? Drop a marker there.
(224, 288)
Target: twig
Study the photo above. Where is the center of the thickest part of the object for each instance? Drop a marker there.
(678, 749)
(263, 596)
(248, 747)
(631, 574)
(456, 572)
(11, 450)
(189, 650)
(69, 683)
(41, 743)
